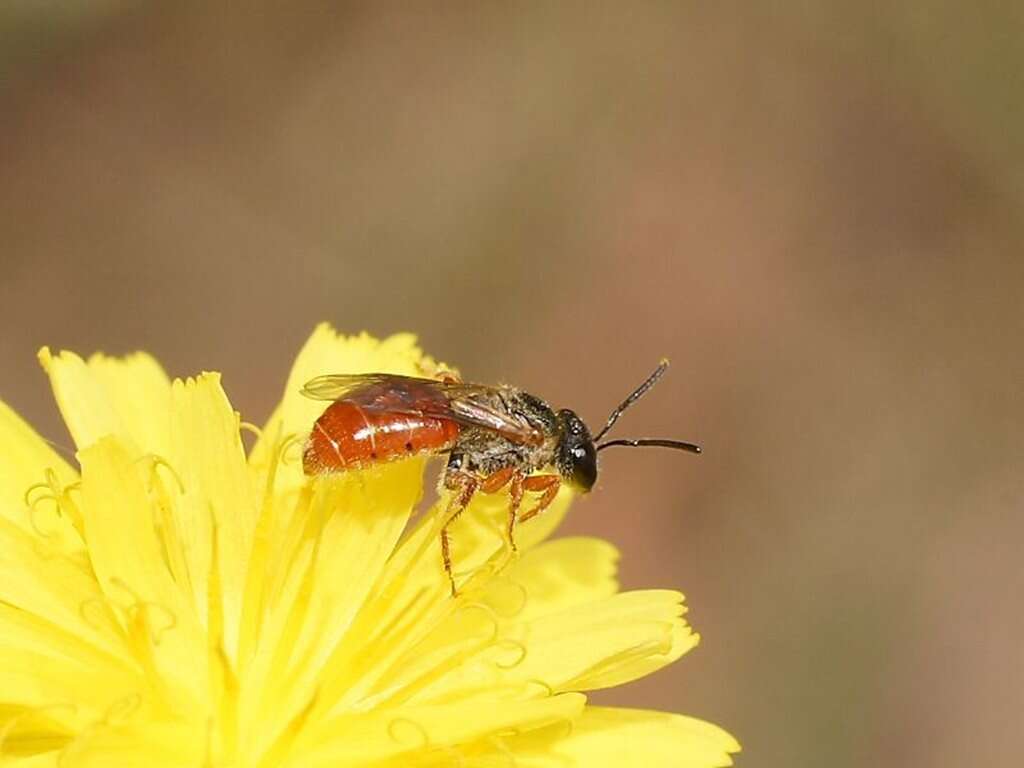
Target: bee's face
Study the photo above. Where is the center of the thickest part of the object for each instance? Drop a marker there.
(575, 458)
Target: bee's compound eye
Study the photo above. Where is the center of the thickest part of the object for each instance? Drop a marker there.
(584, 470)
(577, 458)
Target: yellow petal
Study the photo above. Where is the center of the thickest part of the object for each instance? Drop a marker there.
(607, 642)
(47, 759)
(355, 520)
(588, 646)
(448, 653)
(29, 461)
(559, 574)
(66, 689)
(625, 737)
(135, 741)
(55, 588)
(480, 532)
(413, 599)
(128, 559)
(126, 397)
(140, 392)
(366, 739)
(479, 549)
(54, 685)
(207, 456)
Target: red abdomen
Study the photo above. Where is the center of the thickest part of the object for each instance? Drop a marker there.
(347, 436)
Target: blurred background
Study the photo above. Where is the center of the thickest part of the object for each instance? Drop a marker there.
(814, 210)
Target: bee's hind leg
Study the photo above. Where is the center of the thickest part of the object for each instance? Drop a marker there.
(464, 486)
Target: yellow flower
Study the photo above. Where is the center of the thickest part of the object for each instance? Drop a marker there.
(177, 603)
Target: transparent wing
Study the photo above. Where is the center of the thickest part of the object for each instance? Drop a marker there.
(469, 404)
(337, 386)
(475, 411)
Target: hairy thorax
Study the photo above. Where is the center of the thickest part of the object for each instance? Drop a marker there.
(482, 452)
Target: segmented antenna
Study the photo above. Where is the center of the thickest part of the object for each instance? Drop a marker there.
(679, 445)
(636, 395)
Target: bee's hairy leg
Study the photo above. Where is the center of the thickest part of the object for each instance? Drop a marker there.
(463, 485)
(547, 486)
(513, 478)
(495, 481)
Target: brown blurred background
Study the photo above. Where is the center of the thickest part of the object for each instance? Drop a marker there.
(815, 213)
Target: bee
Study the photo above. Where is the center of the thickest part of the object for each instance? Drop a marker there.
(494, 436)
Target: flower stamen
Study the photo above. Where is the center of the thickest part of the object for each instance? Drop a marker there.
(521, 652)
(155, 462)
(33, 515)
(420, 731)
(524, 595)
(252, 429)
(291, 441)
(497, 741)
(548, 690)
(100, 619)
(491, 614)
(60, 496)
(122, 710)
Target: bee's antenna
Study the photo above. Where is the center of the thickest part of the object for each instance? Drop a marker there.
(679, 445)
(636, 395)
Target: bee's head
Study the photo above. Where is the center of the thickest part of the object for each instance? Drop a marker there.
(575, 456)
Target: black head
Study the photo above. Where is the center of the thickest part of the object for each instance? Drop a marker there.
(576, 456)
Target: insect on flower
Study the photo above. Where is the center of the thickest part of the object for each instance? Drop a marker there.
(495, 437)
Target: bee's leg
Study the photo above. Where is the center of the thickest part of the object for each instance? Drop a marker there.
(464, 486)
(514, 501)
(514, 479)
(495, 481)
(547, 485)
